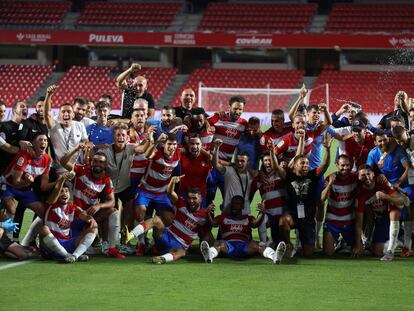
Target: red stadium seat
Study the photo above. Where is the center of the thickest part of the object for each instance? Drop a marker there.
(50, 13)
(365, 17)
(258, 17)
(92, 82)
(375, 91)
(21, 81)
(129, 14)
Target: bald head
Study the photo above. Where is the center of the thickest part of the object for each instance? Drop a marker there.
(140, 83)
(188, 99)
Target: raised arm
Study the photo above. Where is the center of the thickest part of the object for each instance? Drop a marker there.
(120, 80)
(149, 153)
(326, 191)
(50, 122)
(403, 98)
(275, 165)
(210, 214)
(301, 146)
(326, 143)
(261, 209)
(53, 197)
(64, 161)
(216, 147)
(327, 116)
(149, 138)
(295, 106)
(344, 108)
(172, 195)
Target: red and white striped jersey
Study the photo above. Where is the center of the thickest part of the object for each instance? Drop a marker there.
(87, 189)
(235, 228)
(139, 161)
(272, 189)
(59, 219)
(138, 138)
(159, 172)
(341, 201)
(186, 224)
(229, 132)
(24, 162)
(286, 148)
(275, 137)
(205, 137)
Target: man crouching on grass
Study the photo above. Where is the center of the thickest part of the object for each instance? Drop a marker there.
(236, 231)
(189, 220)
(56, 240)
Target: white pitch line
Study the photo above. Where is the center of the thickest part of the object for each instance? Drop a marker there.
(15, 264)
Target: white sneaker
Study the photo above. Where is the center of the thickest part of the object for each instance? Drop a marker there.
(279, 253)
(205, 251)
(127, 249)
(388, 256)
(93, 251)
(105, 247)
(69, 259)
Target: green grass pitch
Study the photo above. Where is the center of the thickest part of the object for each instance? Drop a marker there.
(339, 283)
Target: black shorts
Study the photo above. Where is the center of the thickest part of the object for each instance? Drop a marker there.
(306, 230)
(5, 242)
(124, 196)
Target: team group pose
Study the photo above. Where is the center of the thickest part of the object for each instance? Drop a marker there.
(131, 185)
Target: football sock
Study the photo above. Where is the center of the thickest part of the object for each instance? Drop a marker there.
(168, 257)
(84, 244)
(32, 232)
(408, 228)
(263, 230)
(138, 230)
(394, 229)
(53, 244)
(213, 252)
(141, 239)
(113, 229)
(268, 253)
(297, 242)
(318, 228)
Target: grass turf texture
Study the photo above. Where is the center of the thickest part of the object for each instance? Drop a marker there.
(190, 284)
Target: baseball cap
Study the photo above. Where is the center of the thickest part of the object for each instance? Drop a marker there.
(358, 125)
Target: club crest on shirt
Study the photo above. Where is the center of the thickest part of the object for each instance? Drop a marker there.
(190, 223)
(231, 132)
(167, 170)
(236, 228)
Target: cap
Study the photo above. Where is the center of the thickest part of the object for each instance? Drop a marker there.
(358, 125)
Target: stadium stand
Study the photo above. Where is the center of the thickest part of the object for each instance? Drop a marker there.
(129, 14)
(260, 17)
(375, 91)
(43, 13)
(244, 78)
(20, 82)
(92, 82)
(370, 17)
